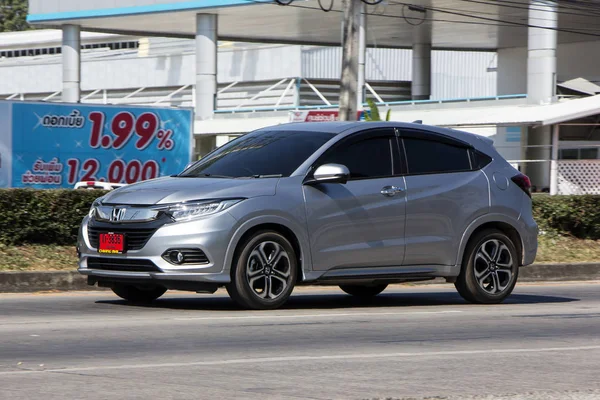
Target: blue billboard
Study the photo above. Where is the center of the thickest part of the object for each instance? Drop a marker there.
(57, 145)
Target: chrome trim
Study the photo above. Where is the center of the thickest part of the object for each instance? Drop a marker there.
(125, 214)
(390, 191)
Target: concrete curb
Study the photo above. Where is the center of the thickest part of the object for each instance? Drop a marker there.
(36, 281)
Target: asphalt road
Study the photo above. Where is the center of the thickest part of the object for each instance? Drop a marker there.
(410, 342)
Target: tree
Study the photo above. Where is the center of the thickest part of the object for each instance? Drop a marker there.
(374, 114)
(13, 16)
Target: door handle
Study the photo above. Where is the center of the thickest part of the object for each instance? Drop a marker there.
(390, 191)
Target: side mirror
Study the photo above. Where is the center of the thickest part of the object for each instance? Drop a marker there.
(330, 173)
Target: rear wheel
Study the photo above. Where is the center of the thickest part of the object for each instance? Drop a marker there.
(138, 294)
(490, 268)
(264, 272)
(364, 291)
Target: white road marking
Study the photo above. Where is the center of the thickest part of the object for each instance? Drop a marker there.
(262, 317)
(323, 315)
(263, 360)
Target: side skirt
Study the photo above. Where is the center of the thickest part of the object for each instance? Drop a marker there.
(375, 275)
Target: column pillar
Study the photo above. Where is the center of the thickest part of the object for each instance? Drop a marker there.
(421, 60)
(541, 83)
(362, 56)
(206, 66)
(541, 51)
(554, 162)
(71, 62)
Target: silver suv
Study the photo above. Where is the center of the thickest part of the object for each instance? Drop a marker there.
(355, 204)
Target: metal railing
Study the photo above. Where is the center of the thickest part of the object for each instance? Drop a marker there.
(278, 92)
(382, 103)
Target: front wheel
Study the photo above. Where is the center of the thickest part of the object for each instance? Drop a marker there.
(363, 291)
(138, 295)
(490, 268)
(264, 272)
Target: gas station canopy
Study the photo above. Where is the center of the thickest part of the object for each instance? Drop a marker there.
(455, 24)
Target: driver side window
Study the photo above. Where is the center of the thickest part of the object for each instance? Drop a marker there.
(367, 158)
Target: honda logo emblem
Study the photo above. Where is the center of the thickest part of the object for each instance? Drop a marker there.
(118, 214)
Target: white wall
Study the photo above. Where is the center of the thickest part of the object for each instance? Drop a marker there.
(454, 74)
(574, 60)
(259, 64)
(153, 71)
(512, 71)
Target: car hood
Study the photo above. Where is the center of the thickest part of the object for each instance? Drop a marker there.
(174, 190)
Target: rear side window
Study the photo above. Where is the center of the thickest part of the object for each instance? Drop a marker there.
(480, 159)
(369, 158)
(429, 156)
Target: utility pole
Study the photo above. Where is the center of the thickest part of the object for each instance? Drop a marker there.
(349, 80)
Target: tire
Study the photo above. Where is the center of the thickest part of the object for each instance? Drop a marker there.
(264, 272)
(488, 276)
(363, 291)
(135, 294)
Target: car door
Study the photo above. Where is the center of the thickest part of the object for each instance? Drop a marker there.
(444, 193)
(355, 224)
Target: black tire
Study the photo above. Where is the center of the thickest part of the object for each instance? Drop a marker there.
(135, 294)
(272, 287)
(488, 289)
(364, 291)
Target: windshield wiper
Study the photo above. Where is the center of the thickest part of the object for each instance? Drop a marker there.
(203, 176)
(264, 176)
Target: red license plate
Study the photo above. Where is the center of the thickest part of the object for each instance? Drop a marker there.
(111, 243)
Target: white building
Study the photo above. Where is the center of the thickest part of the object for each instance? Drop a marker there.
(545, 58)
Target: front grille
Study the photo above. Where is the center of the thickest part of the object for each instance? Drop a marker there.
(135, 239)
(122, 264)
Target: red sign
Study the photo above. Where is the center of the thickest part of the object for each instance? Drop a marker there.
(319, 116)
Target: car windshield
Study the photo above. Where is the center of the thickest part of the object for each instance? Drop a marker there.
(260, 154)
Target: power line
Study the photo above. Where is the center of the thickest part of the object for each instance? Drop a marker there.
(504, 21)
(490, 21)
(520, 6)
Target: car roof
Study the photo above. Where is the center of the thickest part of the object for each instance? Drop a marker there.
(349, 127)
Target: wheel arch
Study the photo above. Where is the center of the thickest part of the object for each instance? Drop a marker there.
(279, 225)
(499, 222)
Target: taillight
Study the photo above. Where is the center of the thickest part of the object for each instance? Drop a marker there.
(523, 182)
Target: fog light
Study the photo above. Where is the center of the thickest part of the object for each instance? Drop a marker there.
(177, 257)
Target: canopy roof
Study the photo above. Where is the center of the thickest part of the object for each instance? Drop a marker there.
(454, 24)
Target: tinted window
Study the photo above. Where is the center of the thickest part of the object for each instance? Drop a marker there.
(480, 159)
(367, 158)
(261, 153)
(428, 156)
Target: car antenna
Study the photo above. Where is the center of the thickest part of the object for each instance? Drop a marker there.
(419, 121)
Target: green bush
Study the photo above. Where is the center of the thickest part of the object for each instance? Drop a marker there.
(43, 216)
(54, 216)
(578, 216)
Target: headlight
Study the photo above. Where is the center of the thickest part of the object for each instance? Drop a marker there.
(97, 203)
(197, 209)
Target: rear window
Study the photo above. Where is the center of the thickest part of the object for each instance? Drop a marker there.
(429, 156)
(260, 153)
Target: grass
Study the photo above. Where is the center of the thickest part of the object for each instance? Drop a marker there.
(564, 249)
(37, 258)
(552, 249)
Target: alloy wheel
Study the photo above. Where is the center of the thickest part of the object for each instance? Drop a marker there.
(268, 270)
(493, 266)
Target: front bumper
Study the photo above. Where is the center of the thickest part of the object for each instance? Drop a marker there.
(211, 235)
